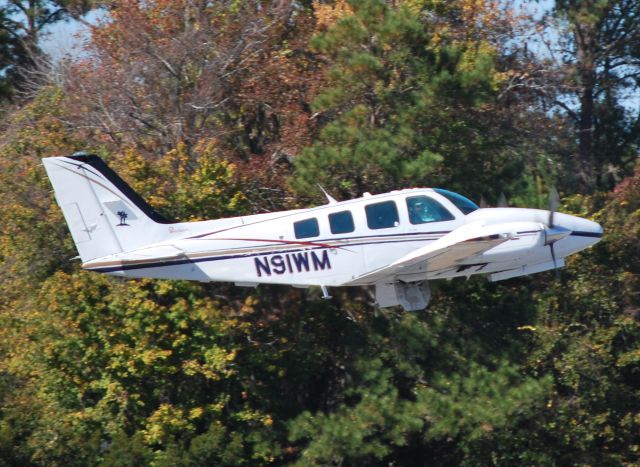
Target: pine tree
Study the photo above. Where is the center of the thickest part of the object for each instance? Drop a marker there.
(398, 108)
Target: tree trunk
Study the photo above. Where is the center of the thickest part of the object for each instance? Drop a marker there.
(585, 131)
(585, 36)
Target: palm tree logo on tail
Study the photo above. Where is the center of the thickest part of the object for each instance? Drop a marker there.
(123, 217)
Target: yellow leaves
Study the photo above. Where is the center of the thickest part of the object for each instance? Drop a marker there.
(480, 11)
(473, 57)
(217, 365)
(254, 416)
(217, 407)
(414, 6)
(249, 304)
(187, 184)
(164, 287)
(196, 413)
(152, 356)
(327, 14)
(165, 421)
(630, 358)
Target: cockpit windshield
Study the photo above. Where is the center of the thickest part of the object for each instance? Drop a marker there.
(464, 204)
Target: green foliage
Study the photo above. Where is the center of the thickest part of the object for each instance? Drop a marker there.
(588, 340)
(414, 385)
(12, 54)
(187, 187)
(403, 110)
(151, 358)
(33, 222)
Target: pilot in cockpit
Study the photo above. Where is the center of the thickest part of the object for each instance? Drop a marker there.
(420, 212)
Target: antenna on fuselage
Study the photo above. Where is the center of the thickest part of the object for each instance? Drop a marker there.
(330, 198)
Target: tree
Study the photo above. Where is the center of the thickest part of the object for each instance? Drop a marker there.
(22, 27)
(13, 55)
(600, 51)
(165, 73)
(406, 103)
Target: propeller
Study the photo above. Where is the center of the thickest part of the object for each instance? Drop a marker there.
(553, 233)
(555, 261)
(554, 201)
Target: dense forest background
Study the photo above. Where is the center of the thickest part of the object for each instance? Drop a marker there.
(232, 107)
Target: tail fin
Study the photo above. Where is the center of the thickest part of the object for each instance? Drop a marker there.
(104, 214)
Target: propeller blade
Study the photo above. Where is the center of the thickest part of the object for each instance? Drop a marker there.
(554, 201)
(502, 201)
(555, 262)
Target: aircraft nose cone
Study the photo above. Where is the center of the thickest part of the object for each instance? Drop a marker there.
(588, 229)
(584, 233)
(579, 226)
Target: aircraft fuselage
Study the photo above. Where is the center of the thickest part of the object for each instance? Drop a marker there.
(263, 248)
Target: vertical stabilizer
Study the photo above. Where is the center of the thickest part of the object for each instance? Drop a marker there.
(104, 214)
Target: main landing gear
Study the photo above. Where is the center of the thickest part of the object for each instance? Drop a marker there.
(412, 296)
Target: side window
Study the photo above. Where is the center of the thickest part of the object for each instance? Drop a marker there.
(306, 228)
(382, 215)
(423, 209)
(341, 222)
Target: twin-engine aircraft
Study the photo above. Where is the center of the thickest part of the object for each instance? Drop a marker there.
(396, 241)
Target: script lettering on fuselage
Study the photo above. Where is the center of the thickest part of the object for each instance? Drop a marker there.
(292, 263)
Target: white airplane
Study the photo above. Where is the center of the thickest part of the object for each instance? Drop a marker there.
(396, 241)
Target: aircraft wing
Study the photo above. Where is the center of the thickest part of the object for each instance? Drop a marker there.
(449, 251)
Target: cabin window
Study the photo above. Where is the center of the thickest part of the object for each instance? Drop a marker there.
(382, 215)
(464, 204)
(306, 228)
(341, 222)
(423, 209)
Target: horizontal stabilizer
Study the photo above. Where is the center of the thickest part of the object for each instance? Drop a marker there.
(157, 254)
